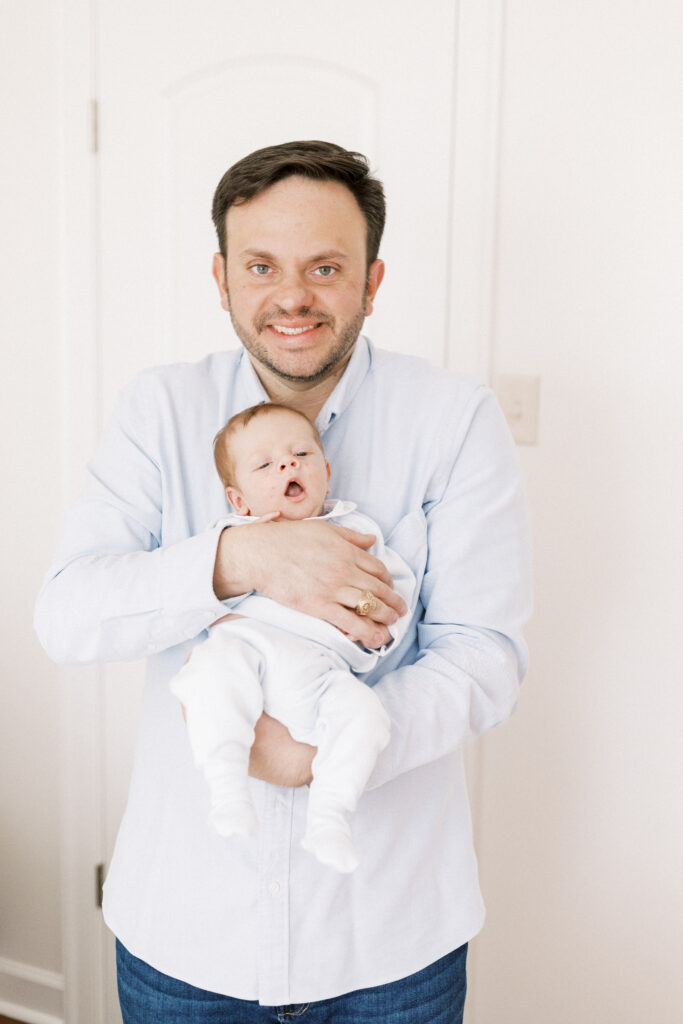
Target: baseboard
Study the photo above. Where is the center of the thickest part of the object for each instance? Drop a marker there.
(30, 994)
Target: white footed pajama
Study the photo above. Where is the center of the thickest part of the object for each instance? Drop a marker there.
(246, 666)
(297, 669)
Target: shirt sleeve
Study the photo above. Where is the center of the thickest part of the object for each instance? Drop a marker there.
(115, 591)
(476, 595)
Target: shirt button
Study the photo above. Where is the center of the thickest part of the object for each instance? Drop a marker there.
(274, 888)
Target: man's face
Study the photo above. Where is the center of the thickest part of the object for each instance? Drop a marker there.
(295, 279)
(278, 466)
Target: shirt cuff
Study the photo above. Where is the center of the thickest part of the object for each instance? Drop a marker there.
(187, 582)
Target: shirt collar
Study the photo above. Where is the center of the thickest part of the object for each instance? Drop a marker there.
(348, 385)
(250, 390)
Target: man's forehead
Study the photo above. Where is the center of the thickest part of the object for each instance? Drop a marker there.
(324, 211)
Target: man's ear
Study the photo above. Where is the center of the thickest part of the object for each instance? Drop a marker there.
(237, 501)
(219, 272)
(375, 275)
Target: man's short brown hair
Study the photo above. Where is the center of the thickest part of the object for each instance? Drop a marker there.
(320, 161)
(221, 442)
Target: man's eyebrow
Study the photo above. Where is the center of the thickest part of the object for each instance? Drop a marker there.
(329, 254)
(247, 253)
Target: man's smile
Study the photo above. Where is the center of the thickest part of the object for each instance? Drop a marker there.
(294, 330)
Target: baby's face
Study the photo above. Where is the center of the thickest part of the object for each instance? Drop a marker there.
(279, 467)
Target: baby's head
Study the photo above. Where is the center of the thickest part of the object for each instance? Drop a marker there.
(270, 459)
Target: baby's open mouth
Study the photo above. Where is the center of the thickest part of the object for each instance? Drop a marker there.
(294, 489)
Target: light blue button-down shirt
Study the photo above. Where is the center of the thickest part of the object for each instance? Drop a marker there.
(428, 456)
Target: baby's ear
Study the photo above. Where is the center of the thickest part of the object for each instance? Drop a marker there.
(237, 501)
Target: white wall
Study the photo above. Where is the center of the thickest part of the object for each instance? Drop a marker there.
(30, 942)
(581, 830)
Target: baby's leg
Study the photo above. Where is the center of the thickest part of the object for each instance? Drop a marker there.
(353, 729)
(219, 687)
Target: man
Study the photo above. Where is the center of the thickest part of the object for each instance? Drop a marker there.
(253, 930)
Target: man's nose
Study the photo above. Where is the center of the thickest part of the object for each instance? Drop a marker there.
(294, 292)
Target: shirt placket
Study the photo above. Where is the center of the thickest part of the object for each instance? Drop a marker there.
(273, 895)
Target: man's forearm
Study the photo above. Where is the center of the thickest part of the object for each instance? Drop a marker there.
(313, 567)
(116, 607)
(234, 571)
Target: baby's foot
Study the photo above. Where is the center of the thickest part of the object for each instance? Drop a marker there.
(333, 846)
(234, 819)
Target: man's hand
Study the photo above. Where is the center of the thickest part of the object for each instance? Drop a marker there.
(277, 758)
(311, 566)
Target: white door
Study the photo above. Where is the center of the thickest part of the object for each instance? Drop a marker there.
(186, 89)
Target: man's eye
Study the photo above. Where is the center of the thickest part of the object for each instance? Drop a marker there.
(260, 269)
(325, 271)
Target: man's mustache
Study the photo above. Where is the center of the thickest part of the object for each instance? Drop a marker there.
(281, 317)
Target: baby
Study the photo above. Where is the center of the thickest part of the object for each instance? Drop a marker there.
(297, 668)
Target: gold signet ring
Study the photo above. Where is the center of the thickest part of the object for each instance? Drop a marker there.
(367, 603)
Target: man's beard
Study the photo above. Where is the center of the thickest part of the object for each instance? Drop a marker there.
(343, 344)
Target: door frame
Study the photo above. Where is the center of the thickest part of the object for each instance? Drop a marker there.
(473, 196)
(81, 719)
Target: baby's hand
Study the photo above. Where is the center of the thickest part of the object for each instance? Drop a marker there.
(268, 517)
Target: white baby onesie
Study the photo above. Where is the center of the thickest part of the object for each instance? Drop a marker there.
(300, 670)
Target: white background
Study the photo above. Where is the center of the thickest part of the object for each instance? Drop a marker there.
(578, 798)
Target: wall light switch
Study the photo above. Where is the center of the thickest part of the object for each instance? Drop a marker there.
(519, 399)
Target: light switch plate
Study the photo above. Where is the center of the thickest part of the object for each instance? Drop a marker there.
(519, 398)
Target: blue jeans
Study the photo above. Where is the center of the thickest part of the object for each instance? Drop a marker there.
(435, 995)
